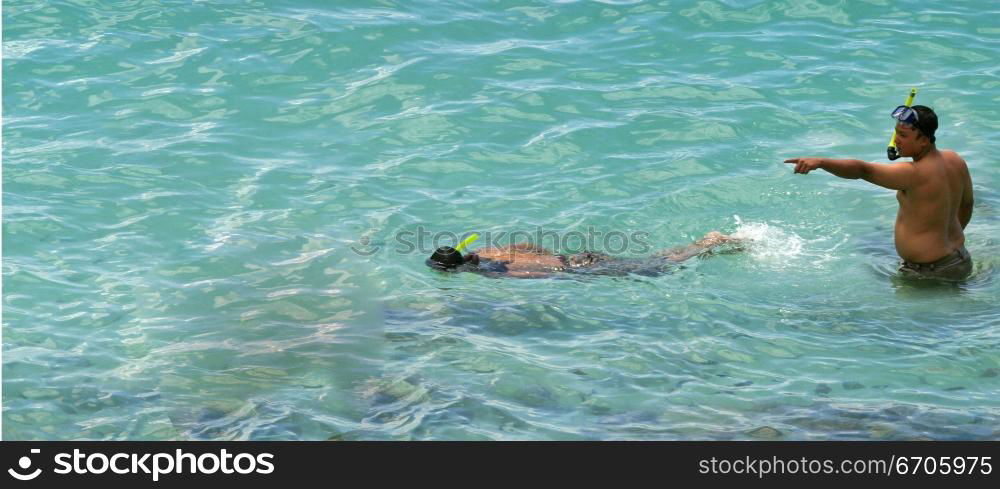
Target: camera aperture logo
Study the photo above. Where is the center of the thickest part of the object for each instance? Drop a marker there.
(25, 463)
(155, 464)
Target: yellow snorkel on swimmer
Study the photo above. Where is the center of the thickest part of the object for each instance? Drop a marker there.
(891, 151)
(446, 257)
(466, 242)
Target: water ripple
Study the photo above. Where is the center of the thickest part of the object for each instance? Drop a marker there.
(216, 217)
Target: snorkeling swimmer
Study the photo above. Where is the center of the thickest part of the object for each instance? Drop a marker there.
(531, 261)
(934, 193)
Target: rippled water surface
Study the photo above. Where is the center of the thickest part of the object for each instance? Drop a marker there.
(210, 211)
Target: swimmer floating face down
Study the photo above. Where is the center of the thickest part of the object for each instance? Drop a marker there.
(525, 260)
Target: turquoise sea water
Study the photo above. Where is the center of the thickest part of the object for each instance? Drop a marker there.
(209, 208)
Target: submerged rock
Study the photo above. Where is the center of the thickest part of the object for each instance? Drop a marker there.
(40, 394)
(403, 389)
(353, 435)
(597, 406)
(882, 431)
(765, 433)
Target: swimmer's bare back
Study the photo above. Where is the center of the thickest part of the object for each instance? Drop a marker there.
(524, 260)
(530, 261)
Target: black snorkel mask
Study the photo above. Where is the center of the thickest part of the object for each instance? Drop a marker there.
(448, 259)
(445, 258)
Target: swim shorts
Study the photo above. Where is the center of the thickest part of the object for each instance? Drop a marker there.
(955, 266)
(583, 260)
(591, 263)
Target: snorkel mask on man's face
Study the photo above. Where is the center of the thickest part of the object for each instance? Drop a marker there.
(906, 115)
(448, 258)
(891, 150)
(445, 258)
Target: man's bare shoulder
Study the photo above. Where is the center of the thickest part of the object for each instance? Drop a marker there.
(952, 156)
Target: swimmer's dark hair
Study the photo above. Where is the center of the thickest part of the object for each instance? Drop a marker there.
(927, 121)
(445, 258)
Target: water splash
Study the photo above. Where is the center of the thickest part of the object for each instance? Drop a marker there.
(768, 243)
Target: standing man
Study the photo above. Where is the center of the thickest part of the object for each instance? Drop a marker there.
(934, 193)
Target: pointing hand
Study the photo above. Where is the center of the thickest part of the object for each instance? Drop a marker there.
(805, 165)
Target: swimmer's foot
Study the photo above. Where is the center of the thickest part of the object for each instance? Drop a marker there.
(716, 238)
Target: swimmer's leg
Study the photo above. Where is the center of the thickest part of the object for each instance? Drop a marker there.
(711, 240)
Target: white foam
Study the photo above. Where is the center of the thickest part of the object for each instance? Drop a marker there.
(766, 242)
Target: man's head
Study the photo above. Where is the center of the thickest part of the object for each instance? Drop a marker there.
(915, 128)
(448, 258)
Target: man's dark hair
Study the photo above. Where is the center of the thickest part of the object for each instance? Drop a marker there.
(445, 258)
(927, 122)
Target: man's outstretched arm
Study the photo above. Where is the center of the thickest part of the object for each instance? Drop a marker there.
(852, 169)
(897, 176)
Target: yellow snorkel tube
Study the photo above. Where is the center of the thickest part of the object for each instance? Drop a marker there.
(891, 150)
(448, 258)
(467, 241)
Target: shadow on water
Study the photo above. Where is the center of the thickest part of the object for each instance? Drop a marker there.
(277, 375)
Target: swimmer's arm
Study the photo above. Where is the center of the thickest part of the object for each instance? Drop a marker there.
(896, 176)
